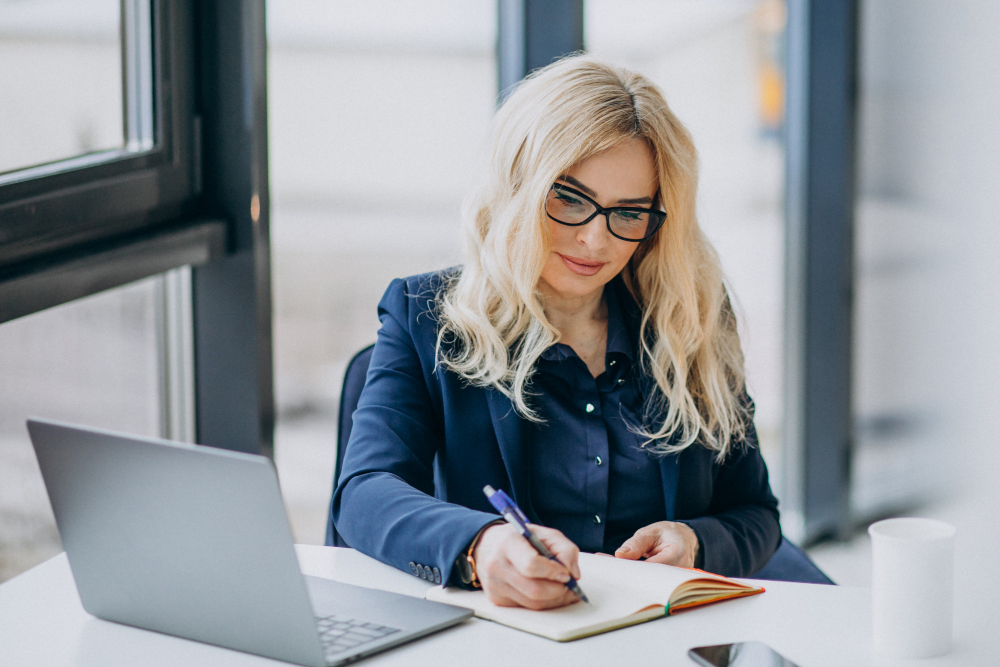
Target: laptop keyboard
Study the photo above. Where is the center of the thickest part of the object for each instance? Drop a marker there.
(338, 634)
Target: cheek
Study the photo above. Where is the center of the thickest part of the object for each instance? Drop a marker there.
(623, 252)
(561, 236)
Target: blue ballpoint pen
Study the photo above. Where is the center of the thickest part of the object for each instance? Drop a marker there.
(513, 514)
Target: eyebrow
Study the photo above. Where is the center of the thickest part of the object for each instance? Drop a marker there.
(587, 191)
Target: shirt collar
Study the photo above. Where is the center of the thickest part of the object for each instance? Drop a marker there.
(619, 337)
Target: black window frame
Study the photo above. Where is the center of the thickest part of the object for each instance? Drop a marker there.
(198, 197)
(61, 205)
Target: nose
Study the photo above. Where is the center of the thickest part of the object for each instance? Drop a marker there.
(594, 234)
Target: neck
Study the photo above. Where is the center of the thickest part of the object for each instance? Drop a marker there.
(571, 313)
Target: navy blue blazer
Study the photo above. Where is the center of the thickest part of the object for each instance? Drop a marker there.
(424, 443)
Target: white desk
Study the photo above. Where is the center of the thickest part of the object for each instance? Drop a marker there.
(42, 623)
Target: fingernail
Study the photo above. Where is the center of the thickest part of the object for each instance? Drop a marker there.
(623, 550)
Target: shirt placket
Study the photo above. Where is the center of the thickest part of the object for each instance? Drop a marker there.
(597, 453)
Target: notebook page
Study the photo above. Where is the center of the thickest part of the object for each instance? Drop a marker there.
(616, 588)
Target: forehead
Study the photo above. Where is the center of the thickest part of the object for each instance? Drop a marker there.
(625, 171)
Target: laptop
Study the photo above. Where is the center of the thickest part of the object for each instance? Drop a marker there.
(194, 542)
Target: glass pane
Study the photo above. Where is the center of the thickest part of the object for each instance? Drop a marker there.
(60, 80)
(365, 99)
(93, 361)
(720, 66)
(922, 126)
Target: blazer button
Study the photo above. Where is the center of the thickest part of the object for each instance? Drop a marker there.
(413, 569)
(428, 575)
(437, 575)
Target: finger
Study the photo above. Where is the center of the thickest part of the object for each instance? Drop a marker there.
(562, 547)
(535, 593)
(532, 565)
(668, 554)
(638, 545)
(545, 594)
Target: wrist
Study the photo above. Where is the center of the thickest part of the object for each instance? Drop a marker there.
(692, 545)
(465, 564)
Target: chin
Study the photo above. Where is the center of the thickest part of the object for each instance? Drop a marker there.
(572, 285)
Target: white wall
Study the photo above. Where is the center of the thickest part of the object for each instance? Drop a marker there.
(377, 118)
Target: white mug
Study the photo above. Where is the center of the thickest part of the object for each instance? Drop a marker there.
(912, 587)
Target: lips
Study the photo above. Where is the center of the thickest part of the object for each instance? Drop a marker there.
(580, 266)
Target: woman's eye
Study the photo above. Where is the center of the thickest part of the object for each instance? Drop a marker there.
(630, 216)
(566, 199)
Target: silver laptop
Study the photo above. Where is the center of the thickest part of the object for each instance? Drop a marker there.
(193, 541)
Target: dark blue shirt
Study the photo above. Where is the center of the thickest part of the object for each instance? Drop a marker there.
(590, 478)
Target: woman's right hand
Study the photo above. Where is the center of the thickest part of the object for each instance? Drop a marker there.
(513, 574)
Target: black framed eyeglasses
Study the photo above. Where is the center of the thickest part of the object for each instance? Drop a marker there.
(628, 223)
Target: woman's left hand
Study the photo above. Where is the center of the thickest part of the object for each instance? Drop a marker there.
(666, 542)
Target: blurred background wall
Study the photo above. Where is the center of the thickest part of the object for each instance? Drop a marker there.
(377, 117)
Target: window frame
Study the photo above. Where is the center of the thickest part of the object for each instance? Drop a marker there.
(820, 148)
(61, 206)
(198, 198)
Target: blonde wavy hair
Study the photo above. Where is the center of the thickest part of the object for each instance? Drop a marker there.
(492, 324)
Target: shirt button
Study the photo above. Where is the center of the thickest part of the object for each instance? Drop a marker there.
(621, 381)
(597, 518)
(612, 362)
(590, 407)
(598, 460)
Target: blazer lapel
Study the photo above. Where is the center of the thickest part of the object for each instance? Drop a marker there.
(513, 438)
(670, 475)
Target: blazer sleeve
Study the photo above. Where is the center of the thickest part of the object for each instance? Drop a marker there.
(739, 532)
(384, 504)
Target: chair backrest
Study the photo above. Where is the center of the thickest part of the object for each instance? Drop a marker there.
(354, 382)
(790, 563)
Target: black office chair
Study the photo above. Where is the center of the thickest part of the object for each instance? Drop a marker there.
(354, 382)
(789, 562)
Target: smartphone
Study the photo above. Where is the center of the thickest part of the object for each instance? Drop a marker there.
(743, 654)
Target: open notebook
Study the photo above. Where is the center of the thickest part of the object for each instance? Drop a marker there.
(621, 592)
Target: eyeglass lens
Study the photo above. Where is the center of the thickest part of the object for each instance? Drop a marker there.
(567, 208)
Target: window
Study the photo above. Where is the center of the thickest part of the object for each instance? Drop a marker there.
(163, 167)
(122, 119)
(94, 361)
(69, 55)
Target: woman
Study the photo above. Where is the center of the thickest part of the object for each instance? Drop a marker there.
(584, 358)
